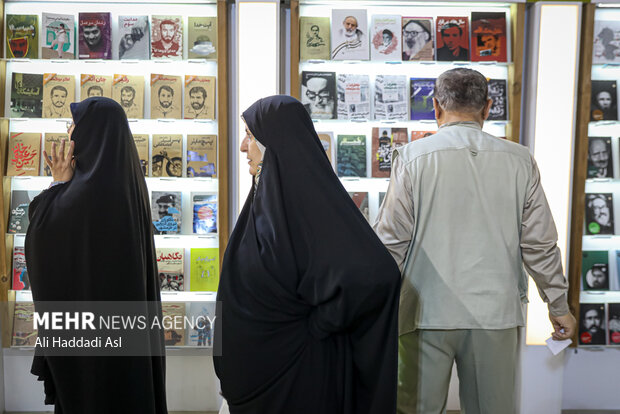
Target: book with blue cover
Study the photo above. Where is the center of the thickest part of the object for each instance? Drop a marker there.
(421, 99)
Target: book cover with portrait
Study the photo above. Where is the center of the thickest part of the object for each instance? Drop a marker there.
(318, 94)
(202, 156)
(384, 141)
(592, 324)
(488, 37)
(600, 163)
(134, 37)
(202, 37)
(95, 34)
(199, 97)
(166, 97)
(353, 96)
(59, 36)
(498, 91)
(349, 34)
(606, 48)
(418, 41)
(200, 333)
(604, 105)
(26, 95)
(49, 139)
(204, 213)
(452, 34)
(391, 97)
(314, 38)
(24, 154)
(385, 37)
(421, 99)
(170, 268)
(20, 271)
(360, 198)
(167, 37)
(58, 93)
(22, 36)
(415, 135)
(613, 323)
(204, 269)
(24, 333)
(595, 270)
(142, 146)
(129, 92)
(174, 332)
(166, 212)
(351, 156)
(18, 217)
(599, 213)
(95, 85)
(327, 140)
(166, 155)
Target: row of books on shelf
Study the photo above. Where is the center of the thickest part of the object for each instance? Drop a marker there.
(326, 95)
(596, 273)
(137, 37)
(48, 95)
(393, 37)
(599, 324)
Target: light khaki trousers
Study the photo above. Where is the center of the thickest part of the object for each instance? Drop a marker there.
(486, 362)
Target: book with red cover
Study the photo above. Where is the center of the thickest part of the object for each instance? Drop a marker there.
(488, 37)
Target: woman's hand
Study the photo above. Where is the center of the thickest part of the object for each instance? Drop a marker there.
(61, 165)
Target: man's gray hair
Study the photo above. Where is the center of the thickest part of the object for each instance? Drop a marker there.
(462, 90)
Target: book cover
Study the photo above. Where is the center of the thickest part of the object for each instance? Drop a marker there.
(199, 97)
(95, 36)
(599, 213)
(361, 201)
(318, 94)
(421, 134)
(391, 98)
(166, 212)
(351, 156)
(599, 158)
(314, 38)
(24, 155)
(59, 32)
(49, 139)
(167, 155)
(173, 314)
(204, 213)
(166, 97)
(20, 272)
(22, 36)
(202, 156)
(204, 269)
(170, 268)
(129, 92)
(349, 34)
(592, 324)
(58, 93)
(604, 106)
(18, 218)
(26, 95)
(613, 323)
(327, 140)
(353, 96)
(452, 38)
(200, 333)
(95, 85)
(167, 37)
(606, 48)
(418, 38)
(422, 99)
(498, 91)
(134, 37)
(384, 141)
(24, 333)
(488, 37)
(202, 37)
(385, 43)
(142, 146)
(595, 270)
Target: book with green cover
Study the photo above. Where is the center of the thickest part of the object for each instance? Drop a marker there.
(204, 269)
(351, 157)
(22, 36)
(595, 270)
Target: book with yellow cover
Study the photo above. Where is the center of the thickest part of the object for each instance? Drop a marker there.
(166, 97)
(202, 37)
(95, 85)
(199, 97)
(58, 93)
(202, 156)
(142, 145)
(129, 92)
(166, 155)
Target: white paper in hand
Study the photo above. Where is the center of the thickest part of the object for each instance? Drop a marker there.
(557, 346)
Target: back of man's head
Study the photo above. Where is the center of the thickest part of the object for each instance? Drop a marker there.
(462, 90)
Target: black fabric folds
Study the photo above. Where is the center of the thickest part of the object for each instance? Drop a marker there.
(308, 294)
(90, 239)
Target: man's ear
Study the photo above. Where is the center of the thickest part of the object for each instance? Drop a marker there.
(487, 109)
(438, 109)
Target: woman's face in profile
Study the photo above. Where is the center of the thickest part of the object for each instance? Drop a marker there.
(254, 156)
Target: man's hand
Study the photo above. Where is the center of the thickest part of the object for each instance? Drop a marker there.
(60, 164)
(563, 326)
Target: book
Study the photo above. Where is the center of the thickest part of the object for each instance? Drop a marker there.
(314, 38)
(204, 213)
(204, 269)
(166, 37)
(95, 36)
(22, 36)
(166, 155)
(418, 38)
(26, 95)
(613, 323)
(421, 134)
(199, 97)
(498, 92)
(134, 37)
(95, 85)
(604, 106)
(421, 101)
(353, 96)
(349, 34)
(595, 270)
(58, 93)
(361, 201)
(129, 92)
(202, 156)
(606, 48)
(202, 37)
(166, 96)
(488, 37)
(384, 141)
(385, 43)
(599, 213)
(166, 212)
(600, 163)
(452, 38)
(592, 324)
(24, 333)
(202, 316)
(24, 156)
(142, 146)
(170, 268)
(173, 314)
(49, 139)
(391, 98)
(20, 272)
(18, 218)
(59, 32)
(351, 156)
(327, 140)
(318, 94)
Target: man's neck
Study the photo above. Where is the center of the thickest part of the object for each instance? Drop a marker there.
(450, 117)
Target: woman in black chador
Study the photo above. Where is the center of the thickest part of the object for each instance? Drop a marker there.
(90, 239)
(308, 294)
